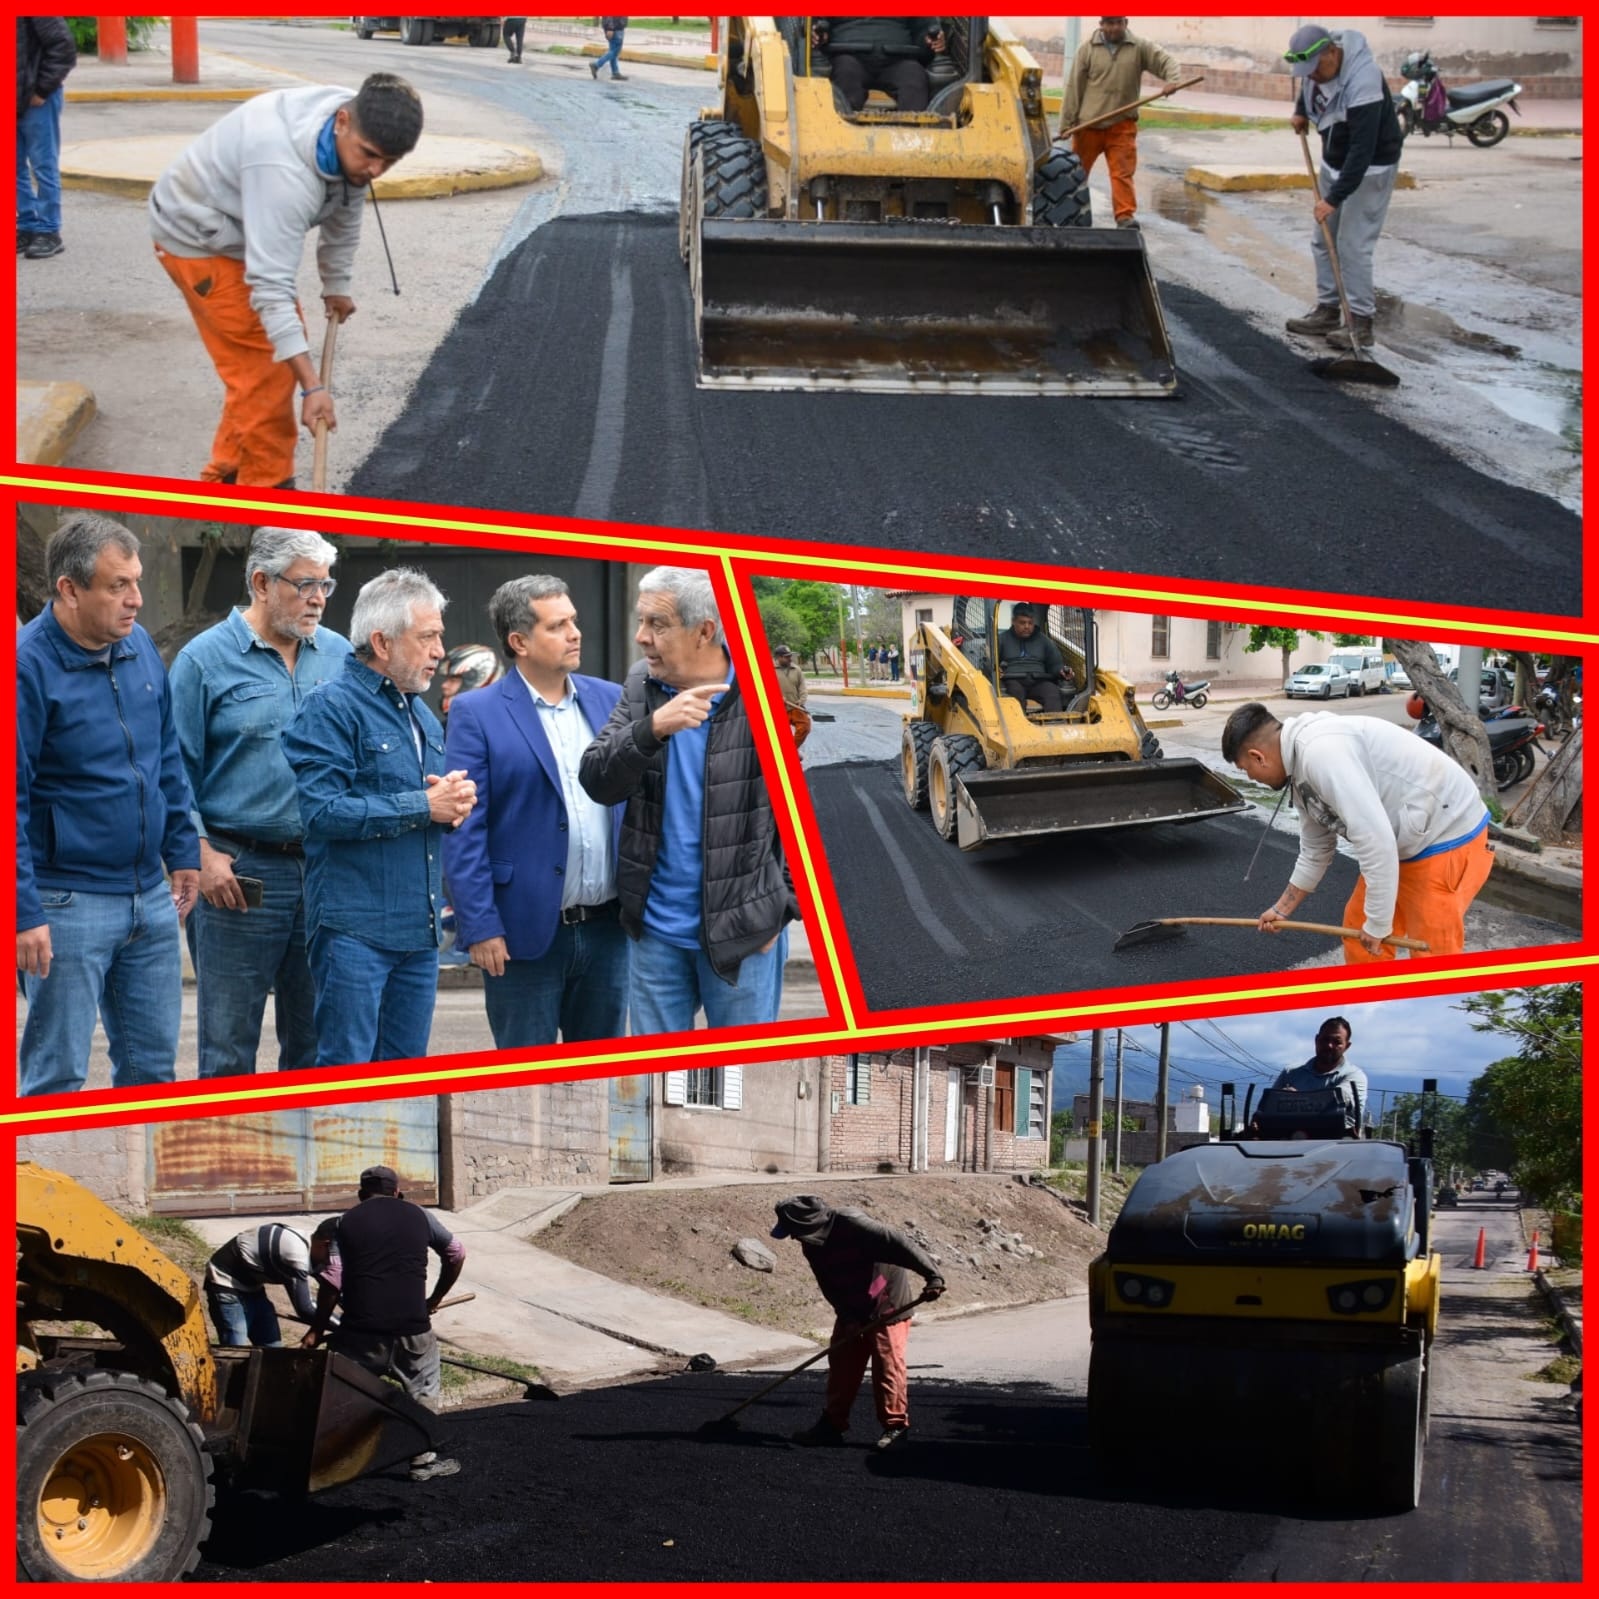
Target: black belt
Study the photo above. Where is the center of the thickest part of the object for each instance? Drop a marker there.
(262, 846)
(573, 914)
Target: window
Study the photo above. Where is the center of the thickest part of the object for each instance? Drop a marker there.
(706, 1087)
(1032, 1092)
(1004, 1097)
(858, 1080)
(924, 615)
(1213, 641)
(1160, 637)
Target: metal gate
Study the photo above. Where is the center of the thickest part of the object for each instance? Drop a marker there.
(291, 1160)
(632, 1144)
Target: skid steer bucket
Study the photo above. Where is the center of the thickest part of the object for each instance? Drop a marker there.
(310, 1419)
(901, 306)
(992, 806)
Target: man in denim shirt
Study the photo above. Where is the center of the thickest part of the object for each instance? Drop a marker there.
(368, 756)
(234, 689)
(102, 805)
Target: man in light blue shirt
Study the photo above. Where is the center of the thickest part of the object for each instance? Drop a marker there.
(1327, 1068)
(532, 871)
(234, 689)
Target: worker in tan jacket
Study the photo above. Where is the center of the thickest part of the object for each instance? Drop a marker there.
(1108, 73)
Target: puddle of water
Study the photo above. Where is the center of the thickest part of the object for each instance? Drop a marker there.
(1398, 317)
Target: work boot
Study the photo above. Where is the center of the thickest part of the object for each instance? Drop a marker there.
(1322, 320)
(23, 241)
(891, 1436)
(822, 1435)
(1339, 338)
(424, 1468)
(594, 69)
(618, 77)
(1128, 221)
(44, 245)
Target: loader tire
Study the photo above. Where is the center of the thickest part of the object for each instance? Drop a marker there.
(113, 1481)
(952, 755)
(734, 183)
(686, 222)
(1060, 191)
(915, 750)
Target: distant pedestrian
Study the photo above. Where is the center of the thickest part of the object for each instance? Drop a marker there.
(864, 1272)
(893, 663)
(1106, 76)
(45, 55)
(230, 217)
(1340, 90)
(613, 29)
(512, 32)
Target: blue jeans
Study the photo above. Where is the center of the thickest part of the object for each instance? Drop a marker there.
(670, 986)
(371, 1004)
(577, 987)
(613, 54)
(112, 955)
(39, 166)
(242, 1319)
(239, 956)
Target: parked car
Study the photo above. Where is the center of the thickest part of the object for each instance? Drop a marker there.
(1498, 687)
(1365, 669)
(1448, 1198)
(1398, 678)
(1321, 680)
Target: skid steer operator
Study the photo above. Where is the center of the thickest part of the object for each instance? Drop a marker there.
(1030, 663)
(889, 53)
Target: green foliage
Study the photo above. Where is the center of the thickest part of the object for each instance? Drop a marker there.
(813, 605)
(1350, 640)
(783, 626)
(1525, 1111)
(180, 1242)
(1450, 1123)
(86, 33)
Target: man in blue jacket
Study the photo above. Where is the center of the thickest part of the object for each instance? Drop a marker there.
(375, 799)
(532, 870)
(102, 807)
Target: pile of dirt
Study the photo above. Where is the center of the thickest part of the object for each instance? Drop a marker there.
(999, 1240)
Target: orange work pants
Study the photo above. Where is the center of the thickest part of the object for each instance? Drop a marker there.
(1434, 895)
(1119, 145)
(885, 1348)
(255, 440)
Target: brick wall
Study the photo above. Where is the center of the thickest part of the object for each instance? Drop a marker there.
(875, 1136)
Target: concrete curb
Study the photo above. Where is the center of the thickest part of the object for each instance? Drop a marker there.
(1237, 180)
(870, 693)
(50, 416)
(143, 96)
(650, 58)
(1571, 1325)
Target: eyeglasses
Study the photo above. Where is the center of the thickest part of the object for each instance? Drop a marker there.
(1305, 55)
(307, 586)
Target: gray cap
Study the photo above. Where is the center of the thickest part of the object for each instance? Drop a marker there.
(1308, 42)
(805, 1217)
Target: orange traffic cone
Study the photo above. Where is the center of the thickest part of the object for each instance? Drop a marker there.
(1481, 1262)
(1532, 1254)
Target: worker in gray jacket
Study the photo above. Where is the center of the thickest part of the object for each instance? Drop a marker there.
(864, 1272)
(230, 217)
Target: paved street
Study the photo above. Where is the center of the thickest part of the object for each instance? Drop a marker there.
(563, 386)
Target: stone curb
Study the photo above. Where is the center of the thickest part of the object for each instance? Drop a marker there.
(649, 58)
(1570, 1324)
(50, 416)
(1237, 180)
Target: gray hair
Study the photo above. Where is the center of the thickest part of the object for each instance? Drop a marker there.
(689, 589)
(75, 547)
(274, 550)
(387, 605)
(511, 608)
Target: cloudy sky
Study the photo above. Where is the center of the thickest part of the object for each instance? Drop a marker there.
(1396, 1043)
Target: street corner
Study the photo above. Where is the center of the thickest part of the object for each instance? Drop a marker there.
(440, 165)
(1235, 178)
(50, 416)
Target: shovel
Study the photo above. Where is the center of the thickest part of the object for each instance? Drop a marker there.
(1172, 927)
(319, 458)
(1132, 105)
(1358, 366)
(723, 1426)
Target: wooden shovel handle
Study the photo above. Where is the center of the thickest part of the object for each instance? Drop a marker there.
(1294, 927)
(319, 459)
(1132, 105)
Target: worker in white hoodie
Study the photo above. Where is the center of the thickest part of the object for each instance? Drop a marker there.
(230, 218)
(1412, 817)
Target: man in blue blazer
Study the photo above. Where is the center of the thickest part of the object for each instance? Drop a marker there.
(532, 871)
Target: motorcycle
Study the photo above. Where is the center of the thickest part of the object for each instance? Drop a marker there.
(1178, 692)
(1552, 708)
(1427, 105)
(1512, 739)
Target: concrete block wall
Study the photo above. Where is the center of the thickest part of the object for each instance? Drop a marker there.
(109, 1161)
(548, 1133)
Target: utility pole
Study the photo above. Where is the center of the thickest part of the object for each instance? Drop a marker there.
(1116, 1158)
(1096, 1116)
(843, 640)
(1160, 1090)
(860, 639)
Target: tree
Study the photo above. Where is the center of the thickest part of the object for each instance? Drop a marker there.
(782, 625)
(1531, 1102)
(1285, 639)
(1451, 1133)
(1465, 739)
(814, 604)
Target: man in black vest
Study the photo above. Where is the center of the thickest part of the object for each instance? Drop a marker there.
(378, 1271)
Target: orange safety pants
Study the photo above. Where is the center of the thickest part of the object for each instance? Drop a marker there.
(1433, 897)
(1119, 145)
(885, 1348)
(255, 440)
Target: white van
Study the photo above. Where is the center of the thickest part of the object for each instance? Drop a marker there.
(1364, 667)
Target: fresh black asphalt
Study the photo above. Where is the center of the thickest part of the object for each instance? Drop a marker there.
(615, 1485)
(567, 389)
(931, 924)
